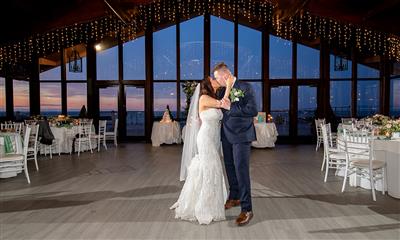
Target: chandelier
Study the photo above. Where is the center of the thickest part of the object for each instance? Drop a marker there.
(75, 62)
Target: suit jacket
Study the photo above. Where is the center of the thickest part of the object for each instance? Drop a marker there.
(237, 123)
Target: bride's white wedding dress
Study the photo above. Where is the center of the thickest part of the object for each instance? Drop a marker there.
(204, 193)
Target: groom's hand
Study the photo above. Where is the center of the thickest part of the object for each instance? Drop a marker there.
(226, 103)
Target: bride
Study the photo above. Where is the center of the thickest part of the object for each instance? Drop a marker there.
(204, 193)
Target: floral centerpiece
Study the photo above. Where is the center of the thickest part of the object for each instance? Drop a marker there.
(61, 121)
(378, 119)
(384, 125)
(391, 128)
(188, 88)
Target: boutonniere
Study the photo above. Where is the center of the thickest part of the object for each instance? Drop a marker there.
(236, 94)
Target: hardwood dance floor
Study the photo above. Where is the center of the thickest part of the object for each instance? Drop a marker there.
(125, 193)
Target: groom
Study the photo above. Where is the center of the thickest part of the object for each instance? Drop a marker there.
(237, 133)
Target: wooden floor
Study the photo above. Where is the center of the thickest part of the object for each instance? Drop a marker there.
(125, 193)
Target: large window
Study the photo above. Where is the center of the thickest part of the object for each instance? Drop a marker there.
(135, 111)
(341, 98)
(258, 93)
(249, 55)
(21, 99)
(76, 98)
(307, 106)
(164, 95)
(2, 97)
(222, 42)
(107, 63)
(367, 98)
(307, 62)
(109, 105)
(280, 99)
(50, 99)
(134, 59)
(395, 97)
(164, 54)
(367, 91)
(280, 59)
(192, 49)
(340, 86)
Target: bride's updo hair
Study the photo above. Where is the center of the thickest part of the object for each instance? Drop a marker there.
(206, 88)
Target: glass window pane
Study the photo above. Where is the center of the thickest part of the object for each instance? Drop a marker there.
(134, 60)
(222, 42)
(339, 74)
(394, 97)
(2, 97)
(135, 111)
(249, 55)
(280, 59)
(164, 94)
(364, 71)
(307, 106)
(367, 98)
(50, 73)
(107, 64)
(164, 54)
(184, 106)
(109, 105)
(307, 62)
(76, 98)
(257, 88)
(21, 99)
(192, 49)
(50, 99)
(280, 108)
(340, 98)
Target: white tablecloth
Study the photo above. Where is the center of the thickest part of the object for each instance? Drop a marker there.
(266, 134)
(65, 137)
(388, 151)
(18, 149)
(167, 133)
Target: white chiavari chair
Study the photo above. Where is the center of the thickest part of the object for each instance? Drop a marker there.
(17, 160)
(318, 123)
(333, 158)
(113, 135)
(360, 159)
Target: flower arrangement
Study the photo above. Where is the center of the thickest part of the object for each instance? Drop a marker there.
(378, 119)
(188, 88)
(61, 121)
(390, 127)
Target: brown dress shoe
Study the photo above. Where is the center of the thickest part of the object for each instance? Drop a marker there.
(232, 203)
(244, 218)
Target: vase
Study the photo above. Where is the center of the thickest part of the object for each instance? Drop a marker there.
(396, 135)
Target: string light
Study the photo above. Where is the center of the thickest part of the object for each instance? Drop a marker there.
(302, 24)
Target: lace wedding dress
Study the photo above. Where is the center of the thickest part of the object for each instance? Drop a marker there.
(204, 193)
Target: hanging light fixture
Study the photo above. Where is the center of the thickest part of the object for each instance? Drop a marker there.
(341, 64)
(75, 62)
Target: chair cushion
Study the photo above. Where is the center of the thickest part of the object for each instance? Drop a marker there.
(12, 157)
(338, 155)
(364, 163)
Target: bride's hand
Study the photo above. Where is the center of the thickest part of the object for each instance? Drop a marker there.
(229, 81)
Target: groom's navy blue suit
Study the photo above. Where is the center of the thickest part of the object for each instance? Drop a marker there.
(237, 133)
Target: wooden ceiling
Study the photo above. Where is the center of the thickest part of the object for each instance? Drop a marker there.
(22, 18)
